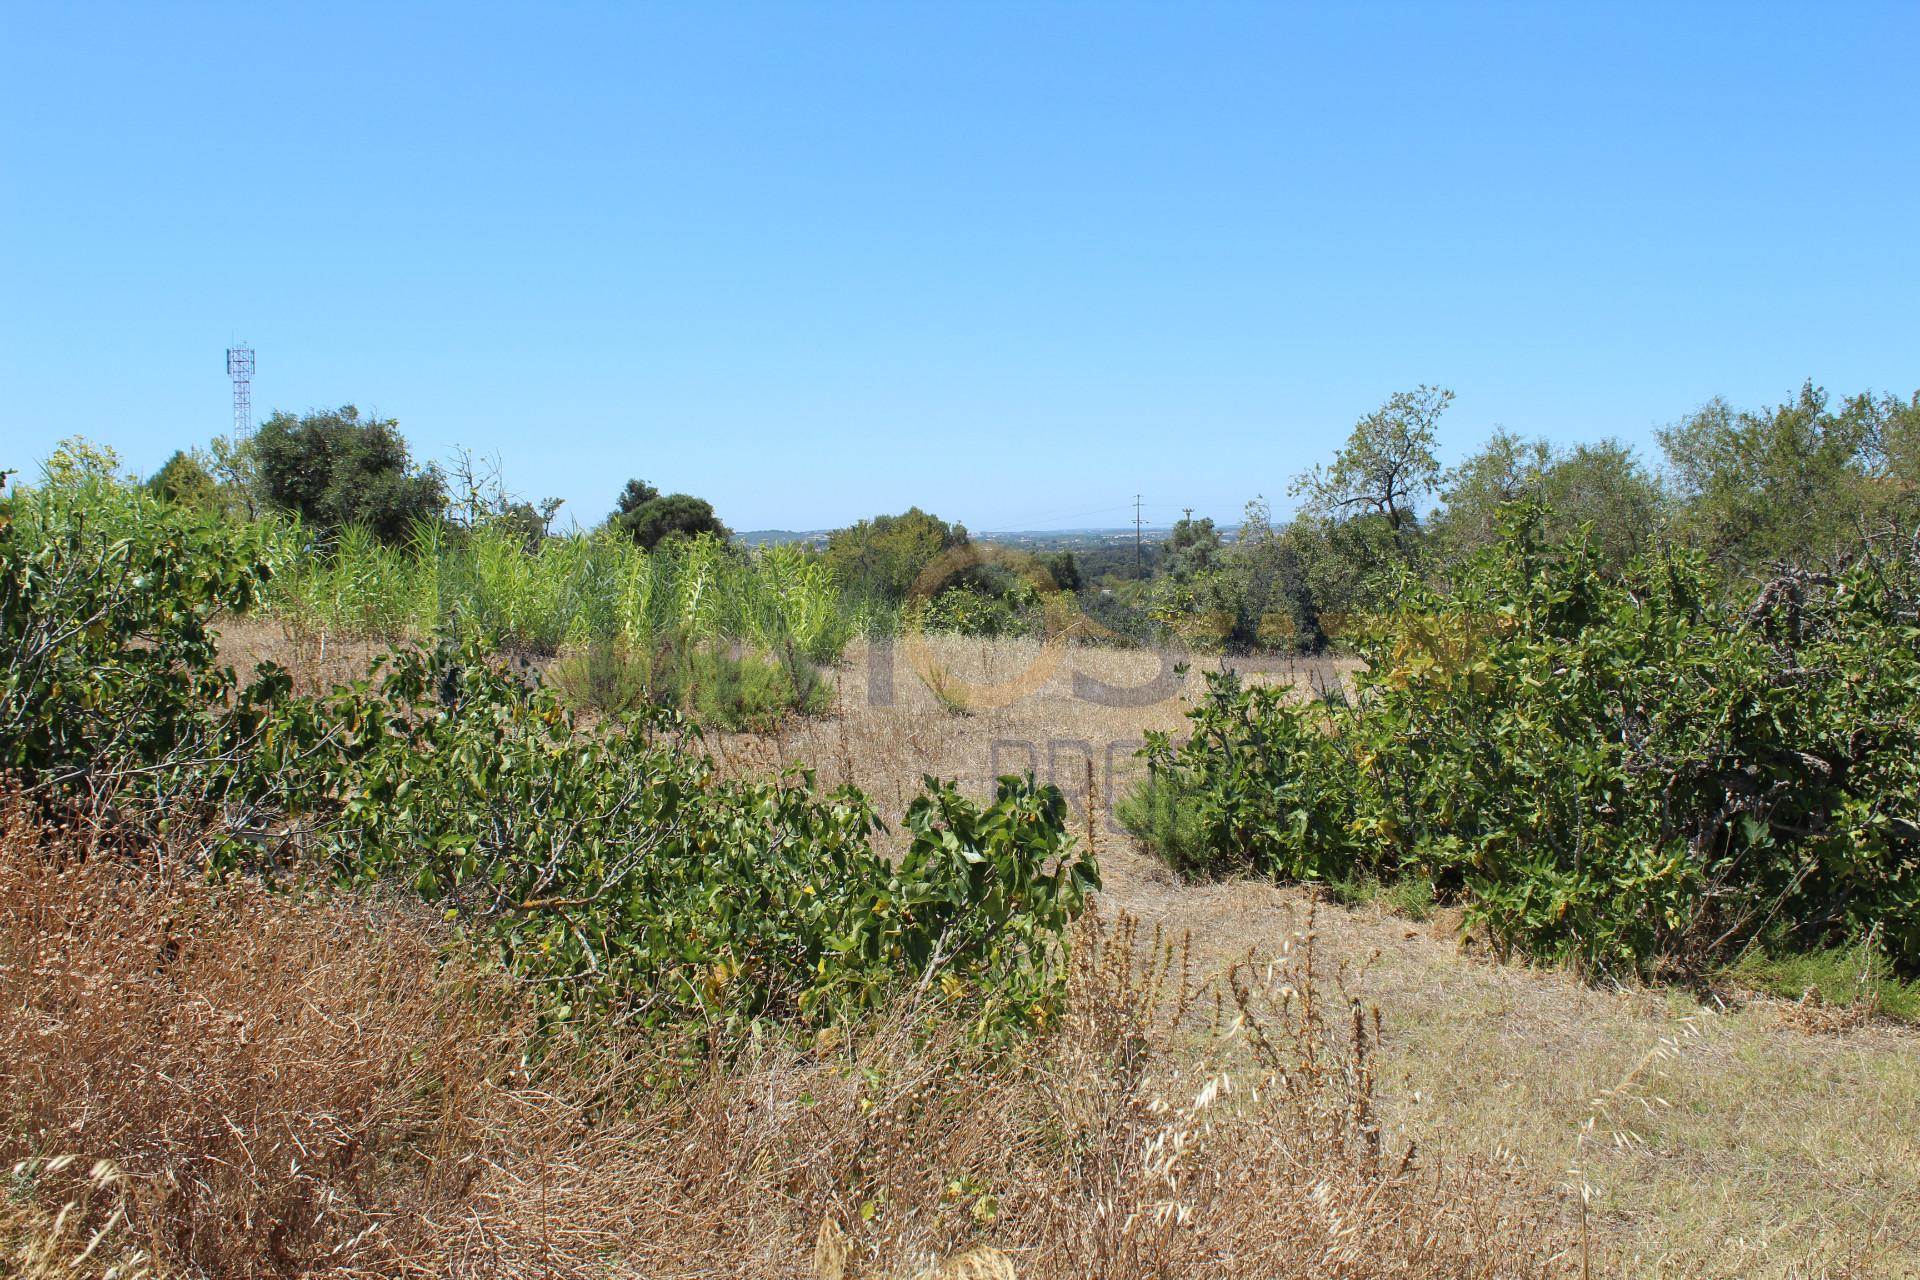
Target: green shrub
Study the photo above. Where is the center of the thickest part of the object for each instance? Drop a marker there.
(1261, 785)
(605, 677)
(107, 671)
(1623, 772)
(969, 611)
(621, 871)
(1162, 812)
(616, 871)
(1840, 976)
(742, 691)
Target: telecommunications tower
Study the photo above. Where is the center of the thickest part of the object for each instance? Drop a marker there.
(240, 369)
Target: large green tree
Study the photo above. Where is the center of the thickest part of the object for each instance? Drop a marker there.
(1387, 466)
(884, 555)
(1603, 488)
(1795, 483)
(650, 517)
(336, 468)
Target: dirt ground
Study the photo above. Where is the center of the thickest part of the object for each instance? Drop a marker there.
(1714, 1136)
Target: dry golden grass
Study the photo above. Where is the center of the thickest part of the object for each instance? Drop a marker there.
(314, 656)
(1764, 1148)
(305, 1085)
(957, 718)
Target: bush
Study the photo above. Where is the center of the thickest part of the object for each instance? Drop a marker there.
(624, 874)
(969, 611)
(617, 871)
(740, 690)
(107, 599)
(606, 677)
(336, 469)
(1259, 786)
(1163, 814)
(1625, 773)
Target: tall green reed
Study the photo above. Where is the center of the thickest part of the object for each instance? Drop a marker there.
(564, 593)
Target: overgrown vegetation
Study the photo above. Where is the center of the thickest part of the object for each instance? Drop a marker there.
(473, 979)
(615, 870)
(306, 1085)
(1629, 772)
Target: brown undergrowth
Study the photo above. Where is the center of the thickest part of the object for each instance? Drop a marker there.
(243, 1082)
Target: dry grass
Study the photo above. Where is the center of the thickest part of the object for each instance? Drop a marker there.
(314, 656)
(271, 1072)
(1758, 1149)
(304, 1085)
(1762, 1150)
(980, 708)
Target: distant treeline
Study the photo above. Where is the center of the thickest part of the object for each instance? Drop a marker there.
(1802, 483)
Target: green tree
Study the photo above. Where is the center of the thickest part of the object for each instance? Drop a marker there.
(884, 555)
(1505, 469)
(1352, 567)
(664, 516)
(235, 465)
(1898, 448)
(1064, 568)
(1607, 490)
(184, 479)
(636, 495)
(1603, 487)
(336, 469)
(1195, 545)
(1278, 608)
(1793, 483)
(1388, 464)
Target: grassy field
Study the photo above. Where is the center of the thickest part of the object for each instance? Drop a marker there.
(1732, 1136)
(1247, 1079)
(1708, 1134)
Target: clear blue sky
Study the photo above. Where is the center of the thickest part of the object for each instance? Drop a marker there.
(1011, 262)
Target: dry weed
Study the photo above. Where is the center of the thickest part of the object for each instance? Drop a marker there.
(306, 1085)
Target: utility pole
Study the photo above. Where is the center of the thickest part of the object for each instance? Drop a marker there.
(1136, 535)
(1189, 511)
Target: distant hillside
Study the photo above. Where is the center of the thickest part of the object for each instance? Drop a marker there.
(1051, 539)
(1076, 539)
(779, 537)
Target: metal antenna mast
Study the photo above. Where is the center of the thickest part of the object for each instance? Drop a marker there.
(240, 369)
(1136, 535)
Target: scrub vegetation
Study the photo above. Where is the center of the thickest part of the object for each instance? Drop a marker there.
(393, 885)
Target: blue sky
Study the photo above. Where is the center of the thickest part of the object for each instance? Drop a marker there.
(1011, 262)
